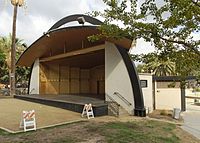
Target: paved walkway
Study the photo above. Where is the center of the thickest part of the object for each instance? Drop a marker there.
(11, 111)
(192, 120)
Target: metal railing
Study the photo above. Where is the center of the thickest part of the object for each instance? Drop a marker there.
(113, 106)
(122, 98)
(21, 91)
(5, 92)
(18, 91)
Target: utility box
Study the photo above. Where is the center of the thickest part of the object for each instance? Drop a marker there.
(176, 113)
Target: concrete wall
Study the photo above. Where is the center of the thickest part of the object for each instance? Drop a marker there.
(147, 92)
(167, 98)
(117, 78)
(34, 82)
(191, 93)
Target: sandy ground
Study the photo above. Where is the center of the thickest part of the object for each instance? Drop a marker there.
(11, 112)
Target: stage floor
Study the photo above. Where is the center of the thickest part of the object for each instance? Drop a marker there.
(78, 99)
(69, 102)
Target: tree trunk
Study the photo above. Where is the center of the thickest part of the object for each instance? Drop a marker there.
(13, 53)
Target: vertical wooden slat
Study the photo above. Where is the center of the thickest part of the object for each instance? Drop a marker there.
(84, 81)
(64, 80)
(74, 80)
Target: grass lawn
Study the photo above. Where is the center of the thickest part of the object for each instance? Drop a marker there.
(92, 131)
(140, 132)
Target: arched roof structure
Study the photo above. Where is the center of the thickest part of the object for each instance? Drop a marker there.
(71, 41)
(56, 38)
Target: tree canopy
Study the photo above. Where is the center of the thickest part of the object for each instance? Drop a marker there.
(5, 59)
(172, 26)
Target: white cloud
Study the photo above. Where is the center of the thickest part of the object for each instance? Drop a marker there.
(32, 28)
(41, 15)
(5, 23)
(142, 47)
(96, 5)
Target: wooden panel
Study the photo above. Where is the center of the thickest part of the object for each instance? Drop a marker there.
(53, 71)
(74, 86)
(84, 86)
(93, 86)
(85, 74)
(97, 83)
(64, 86)
(74, 73)
(43, 79)
(64, 72)
(43, 86)
(98, 73)
(52, 84)
(92, 74)
(101, 87)
(43, 73)
(101, 74)
(53, 87)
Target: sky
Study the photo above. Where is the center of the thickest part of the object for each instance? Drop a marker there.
(40, 15)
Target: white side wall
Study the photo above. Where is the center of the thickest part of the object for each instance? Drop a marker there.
(190, 92)
(34, 82)
(168, 98)
(117, 78)
(147, 92)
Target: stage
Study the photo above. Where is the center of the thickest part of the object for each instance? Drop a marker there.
(70, 102)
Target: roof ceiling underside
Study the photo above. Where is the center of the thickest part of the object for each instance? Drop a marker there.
(85, 61)
(62, 41)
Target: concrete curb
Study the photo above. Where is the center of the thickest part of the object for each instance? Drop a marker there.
(43, 127)
(163, 120)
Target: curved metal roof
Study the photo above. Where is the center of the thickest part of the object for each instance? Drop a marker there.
(61, 40)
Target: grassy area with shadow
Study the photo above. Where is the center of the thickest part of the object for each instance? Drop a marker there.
(140, 132)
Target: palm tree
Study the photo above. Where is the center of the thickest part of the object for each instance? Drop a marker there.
(157, 63)
(4, 77)
(5, 47)
(15, 3)
(163, 67)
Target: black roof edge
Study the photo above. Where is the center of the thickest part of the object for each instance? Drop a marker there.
(173, 78)
(74, 17)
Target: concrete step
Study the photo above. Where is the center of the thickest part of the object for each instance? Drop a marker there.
(122, 111)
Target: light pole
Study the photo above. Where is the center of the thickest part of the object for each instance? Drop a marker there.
(15, 3)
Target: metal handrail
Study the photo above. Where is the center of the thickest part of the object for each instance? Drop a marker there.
(112, 99)
(122, 98)
(114, 106)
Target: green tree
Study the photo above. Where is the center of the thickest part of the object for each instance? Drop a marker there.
(169, 63)
(170, 25)
(5, 59)
(187, 62)
(3, 68)
(5, 46)
(156, 63)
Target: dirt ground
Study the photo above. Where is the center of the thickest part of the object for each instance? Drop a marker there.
(84, 131)
(11, 112)
(165, 115)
